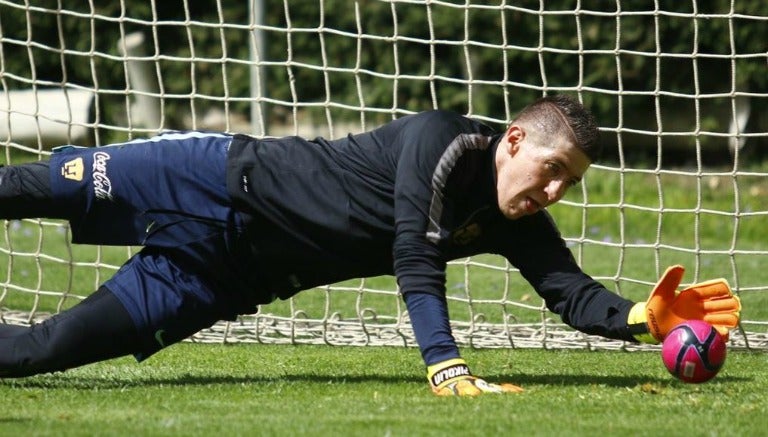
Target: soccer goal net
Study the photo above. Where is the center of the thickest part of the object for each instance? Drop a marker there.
(679, 90)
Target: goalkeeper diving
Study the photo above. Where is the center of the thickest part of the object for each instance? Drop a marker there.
(228, 222)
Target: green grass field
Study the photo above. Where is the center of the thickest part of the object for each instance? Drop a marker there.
(201, 389)
(193, 389)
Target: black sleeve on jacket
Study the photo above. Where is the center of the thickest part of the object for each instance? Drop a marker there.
(419, 264)
(582, 303)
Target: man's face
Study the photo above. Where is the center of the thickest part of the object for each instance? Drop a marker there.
(531, 177)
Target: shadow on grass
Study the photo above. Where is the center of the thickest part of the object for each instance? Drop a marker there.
(587, 379)
(66, 381)
(14, 420)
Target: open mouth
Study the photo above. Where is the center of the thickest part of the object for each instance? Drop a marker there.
(531, 205)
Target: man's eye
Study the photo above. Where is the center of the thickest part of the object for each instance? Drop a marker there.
(553, 167)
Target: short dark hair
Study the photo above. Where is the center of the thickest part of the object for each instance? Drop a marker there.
(564, 115)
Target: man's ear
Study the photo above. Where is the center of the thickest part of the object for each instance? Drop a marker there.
(514, 136)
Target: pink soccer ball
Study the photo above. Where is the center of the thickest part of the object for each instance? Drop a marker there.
(693, 351)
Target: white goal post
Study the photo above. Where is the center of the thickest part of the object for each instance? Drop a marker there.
(683, 179)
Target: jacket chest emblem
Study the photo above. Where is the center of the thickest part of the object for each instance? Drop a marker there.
(466, 234)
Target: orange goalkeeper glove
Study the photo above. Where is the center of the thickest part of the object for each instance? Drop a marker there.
(453, 378)
(711, 301)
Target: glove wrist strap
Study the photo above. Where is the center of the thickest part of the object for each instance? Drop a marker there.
(445, 372)
(638, 324)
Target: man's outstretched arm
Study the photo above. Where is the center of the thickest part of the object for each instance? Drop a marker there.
(447, 372)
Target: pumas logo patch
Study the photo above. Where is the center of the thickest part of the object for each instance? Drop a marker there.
(73, 170)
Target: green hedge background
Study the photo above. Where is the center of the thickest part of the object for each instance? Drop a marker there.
(621, 64)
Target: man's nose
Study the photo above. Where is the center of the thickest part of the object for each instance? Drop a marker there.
(556, 190)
